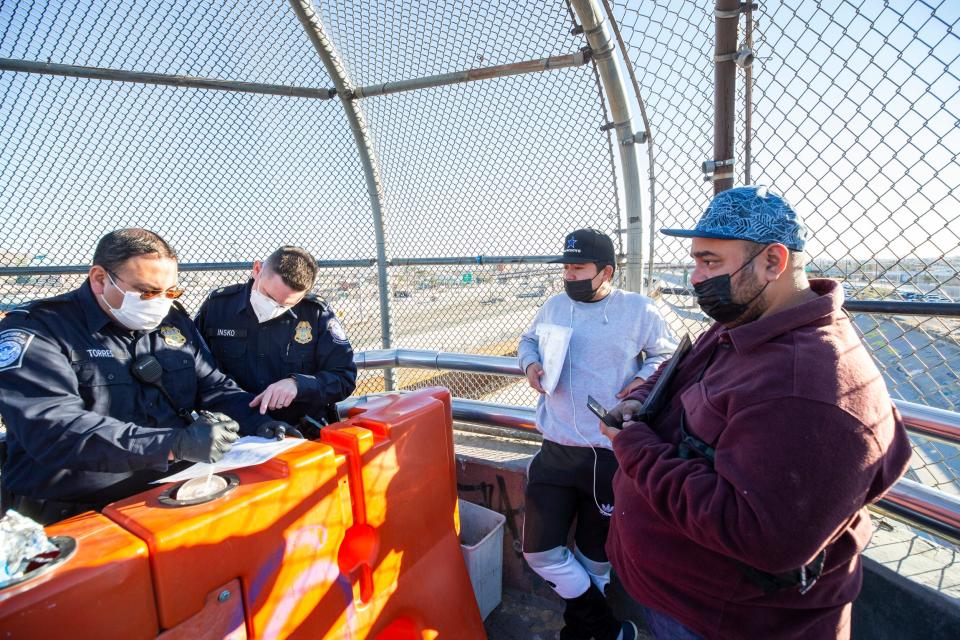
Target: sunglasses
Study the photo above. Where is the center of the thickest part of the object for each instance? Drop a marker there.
(172, 293)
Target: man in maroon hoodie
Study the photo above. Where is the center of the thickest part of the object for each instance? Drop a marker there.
(740, 505)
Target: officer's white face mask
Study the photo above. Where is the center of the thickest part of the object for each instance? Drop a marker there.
(265, 308)
(137, 314)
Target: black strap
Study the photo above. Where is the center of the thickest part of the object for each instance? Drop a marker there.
(692, 446)
(311, 427)
(138, 375)
(804, 577)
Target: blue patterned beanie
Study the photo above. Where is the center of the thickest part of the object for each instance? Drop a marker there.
(748, 213)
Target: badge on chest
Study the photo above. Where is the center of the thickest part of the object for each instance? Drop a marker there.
(172, 336)
(303, 333)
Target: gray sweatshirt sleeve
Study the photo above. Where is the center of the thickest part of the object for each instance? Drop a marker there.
(528, 351)
(659, 344)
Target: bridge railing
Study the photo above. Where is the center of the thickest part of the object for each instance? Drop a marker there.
(925, 508)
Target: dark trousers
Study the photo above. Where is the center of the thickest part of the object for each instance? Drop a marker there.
(561, 488)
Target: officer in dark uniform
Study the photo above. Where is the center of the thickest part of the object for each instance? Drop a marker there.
(281, 342)
(82, 429)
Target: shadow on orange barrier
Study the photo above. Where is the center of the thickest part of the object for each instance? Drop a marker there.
(352, 537)
(406, 473)
(278, 532)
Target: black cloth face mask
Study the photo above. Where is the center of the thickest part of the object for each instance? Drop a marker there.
(715, 296)
(580, 290)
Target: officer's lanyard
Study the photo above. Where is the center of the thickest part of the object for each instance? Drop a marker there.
(188, 416)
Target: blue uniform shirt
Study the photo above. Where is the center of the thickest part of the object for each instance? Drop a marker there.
(306, 342)
(80, 427)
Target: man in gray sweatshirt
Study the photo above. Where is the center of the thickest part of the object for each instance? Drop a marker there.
(616, 340)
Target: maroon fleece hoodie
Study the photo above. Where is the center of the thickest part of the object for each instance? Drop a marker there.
(805, 436)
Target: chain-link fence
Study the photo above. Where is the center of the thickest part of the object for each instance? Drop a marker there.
(854, 119)
(854, 111)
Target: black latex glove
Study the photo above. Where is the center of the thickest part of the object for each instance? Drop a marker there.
(206, 439)
(278, 430)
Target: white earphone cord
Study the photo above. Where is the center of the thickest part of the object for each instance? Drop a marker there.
(576, 428)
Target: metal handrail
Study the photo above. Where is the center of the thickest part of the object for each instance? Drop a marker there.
(921, 420)
(876, 307)
(426, 359)
(922, 507)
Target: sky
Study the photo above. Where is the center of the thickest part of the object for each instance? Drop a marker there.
(855, 117)
(856, 105)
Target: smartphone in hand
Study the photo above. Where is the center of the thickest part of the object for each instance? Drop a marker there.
(601, 413)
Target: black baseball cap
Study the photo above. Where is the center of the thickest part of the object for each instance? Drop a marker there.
(584, 246)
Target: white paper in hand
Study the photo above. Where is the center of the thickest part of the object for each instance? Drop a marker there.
(552, 340)
(246, 452)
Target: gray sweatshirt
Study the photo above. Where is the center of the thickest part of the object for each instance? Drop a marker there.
(602, 357)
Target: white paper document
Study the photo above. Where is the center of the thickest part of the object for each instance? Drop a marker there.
(246, 452)
(552, 341)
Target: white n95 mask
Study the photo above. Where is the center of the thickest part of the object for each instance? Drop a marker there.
(137, 314)
(265, 308)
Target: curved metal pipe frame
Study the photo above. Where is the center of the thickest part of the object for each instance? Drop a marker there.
(313, 26)
(597, 31)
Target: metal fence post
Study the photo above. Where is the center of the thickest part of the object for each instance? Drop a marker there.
(324, 46)
(595, 28)
(724, 89)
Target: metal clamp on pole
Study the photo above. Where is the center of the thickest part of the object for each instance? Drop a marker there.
(717, 169)
(639, 137)
(743, 8)
(742, 57)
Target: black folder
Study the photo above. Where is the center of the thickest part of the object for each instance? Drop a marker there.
(658, 395)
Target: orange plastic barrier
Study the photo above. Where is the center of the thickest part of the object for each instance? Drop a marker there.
(103, 591)
(403, 482)
(278, 532)
(221, 617)
(352, 537)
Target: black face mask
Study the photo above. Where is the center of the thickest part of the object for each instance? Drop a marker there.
(580, 290)
(715, 296)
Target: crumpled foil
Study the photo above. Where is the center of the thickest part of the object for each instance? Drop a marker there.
(21, 540)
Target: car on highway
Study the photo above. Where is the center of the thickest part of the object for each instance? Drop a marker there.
(539, 292)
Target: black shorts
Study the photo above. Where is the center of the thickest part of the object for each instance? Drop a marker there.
(560, 487)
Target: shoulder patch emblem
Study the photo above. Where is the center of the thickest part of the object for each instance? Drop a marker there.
(303, 333)
(13, 345)
(172, 336)
(336, 331)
